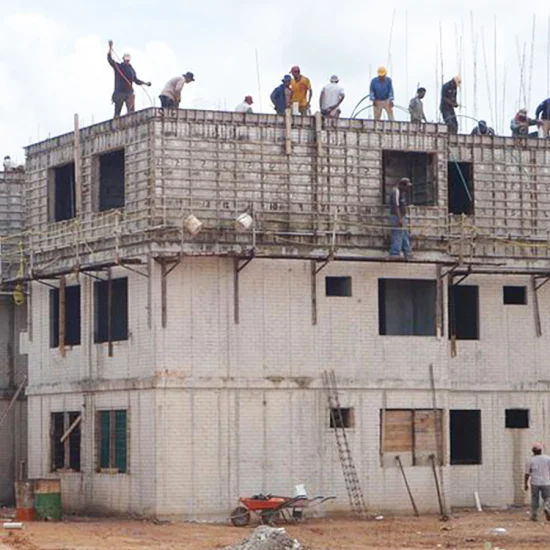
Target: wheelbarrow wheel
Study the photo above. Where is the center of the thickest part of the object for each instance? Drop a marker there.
(240, 516)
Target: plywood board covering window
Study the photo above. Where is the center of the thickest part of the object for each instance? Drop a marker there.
(411, 434)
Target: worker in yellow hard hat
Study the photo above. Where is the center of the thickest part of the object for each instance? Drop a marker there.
(381, 94)
(449, 103)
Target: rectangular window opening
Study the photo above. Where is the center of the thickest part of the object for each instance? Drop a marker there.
(407, 307)
(465, 435)
(514, 295)
(62, 193)
(111, 180)
(464, 312)
(413, 435)
(111, 310)
(72, 316)
(338, 286)
(420, 168)
(460, 188)
(112, 438)
(342, 417)
(65, 455)
(517, 418)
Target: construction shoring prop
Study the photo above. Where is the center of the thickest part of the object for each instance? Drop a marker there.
(442, 514)
(13, 400)
(398, 460)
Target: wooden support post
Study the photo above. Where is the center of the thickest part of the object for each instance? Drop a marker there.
(13, 400)
(313, 292)
(439, 312)
(236, 290)
(163, 289)
(383, 427)
(61, 315)
(71, 428)
(536, 309)
(77, 178)
(110, 312)
(288, 132)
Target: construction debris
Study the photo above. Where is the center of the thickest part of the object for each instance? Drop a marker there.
(267, 538)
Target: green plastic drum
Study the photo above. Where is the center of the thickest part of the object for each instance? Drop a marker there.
(47, 499)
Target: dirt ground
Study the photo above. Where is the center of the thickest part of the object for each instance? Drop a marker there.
(466, 529)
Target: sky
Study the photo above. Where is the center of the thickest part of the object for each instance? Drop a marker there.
(53, 55)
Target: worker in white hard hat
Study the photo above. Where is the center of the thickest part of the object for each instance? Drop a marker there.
(331, 98)
(449, 103)
(125, 78)
(537, 472)
(381, 94)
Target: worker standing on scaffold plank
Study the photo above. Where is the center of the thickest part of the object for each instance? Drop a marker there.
(125, 77)
(449, 104)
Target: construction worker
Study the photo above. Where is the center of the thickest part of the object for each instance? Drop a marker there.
(543, 111)
(449, 104)
(381, 94)
(537, 471)
(245, 106)
(482, 129)
(416, 107)
(521, 122)
(301, 90)
(170, 97)
(331, 98)
(281, 96)
(400, 238)
(125, 77)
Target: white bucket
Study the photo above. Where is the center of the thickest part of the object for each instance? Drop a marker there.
(245, 220)
(192, 224)
(300, 491)
(295, 108)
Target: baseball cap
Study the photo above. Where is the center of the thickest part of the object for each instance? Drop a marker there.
(190, 76)
(295, 69)
(126, 57)
(382, 71)
(405, 181)
(536, 447)
(248, 99)
(286, 78)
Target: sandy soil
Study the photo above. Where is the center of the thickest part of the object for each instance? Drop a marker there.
(467, 529)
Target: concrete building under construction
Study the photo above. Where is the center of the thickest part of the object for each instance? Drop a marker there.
(192, 274)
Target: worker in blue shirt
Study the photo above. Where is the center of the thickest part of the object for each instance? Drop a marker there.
(543, 111)
(381, 94)
(281, 96)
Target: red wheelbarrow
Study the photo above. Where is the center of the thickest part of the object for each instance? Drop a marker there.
(271, 508)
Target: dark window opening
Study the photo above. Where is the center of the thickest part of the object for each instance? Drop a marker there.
(517, 418)
(72, 316)
(65, 455)
(338, 286)
(111, 310)
(420, 168)
(407, 307)
(464, 312)
(514, 295)
(465, 427)
(460, 187)
(63, 193)
(342, 418)
(112, 438)
(111, 180)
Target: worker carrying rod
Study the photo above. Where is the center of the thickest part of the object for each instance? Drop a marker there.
(125, 77)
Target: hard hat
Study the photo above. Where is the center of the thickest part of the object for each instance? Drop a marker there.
(295, 69)
(405, 181)
(458, 80)
(536, 447)
(334, 78)
(382, 71)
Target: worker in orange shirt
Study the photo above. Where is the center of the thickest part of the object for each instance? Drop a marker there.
(301, 90)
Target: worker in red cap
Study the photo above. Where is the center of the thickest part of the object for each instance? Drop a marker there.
(301, 90)
(537, 470)
(245, 106)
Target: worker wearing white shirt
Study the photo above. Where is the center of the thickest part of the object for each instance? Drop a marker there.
(331, 98)
(245, 106)
(170, 96)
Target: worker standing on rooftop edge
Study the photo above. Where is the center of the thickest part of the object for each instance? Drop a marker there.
(543, 111)
(381, 94)
(400, 238)
(301, 90)
(170, 97)
(245, 106)
(281, 96)
(416, 107)
(537, 469)
(331, 98)
(125, 77)
(449, 104)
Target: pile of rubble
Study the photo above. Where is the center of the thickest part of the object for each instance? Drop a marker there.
(267, 538)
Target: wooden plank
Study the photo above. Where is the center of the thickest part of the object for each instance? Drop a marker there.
(61, 314)
(398, 431)
(71, 428)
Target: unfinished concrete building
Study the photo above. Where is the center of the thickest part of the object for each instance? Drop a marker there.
(188, 348)
(13, 366)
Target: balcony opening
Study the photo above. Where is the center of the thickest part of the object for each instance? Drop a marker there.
(111, 180)
(111, 310)
(62, 193)
(420, 168)
(71, 316)
(464, 312)
(460, 188)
